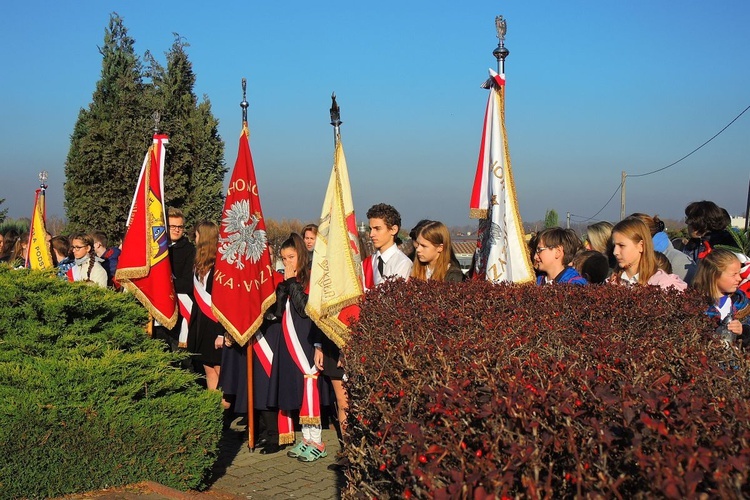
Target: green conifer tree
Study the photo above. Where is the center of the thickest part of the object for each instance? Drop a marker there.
(112, 135)
(195, 168)
(109, 140)
(551, 219)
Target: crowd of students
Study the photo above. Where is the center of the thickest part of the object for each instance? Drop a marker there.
(298, 371)
(637, 251)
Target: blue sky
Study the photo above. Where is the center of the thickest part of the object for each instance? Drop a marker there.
(594, 88)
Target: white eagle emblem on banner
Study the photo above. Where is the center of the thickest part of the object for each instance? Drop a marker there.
(243, 241)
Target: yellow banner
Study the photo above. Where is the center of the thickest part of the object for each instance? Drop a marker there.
(39, 256)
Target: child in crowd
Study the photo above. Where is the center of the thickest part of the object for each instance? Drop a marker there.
(86, 266)
(205, 333)
(388, 260)
(61, 259)
(683, 266)
(296, 368)
(718, 278)
(309, 235)
(593, 266)
(636, 262)
(555, 248)
(412, 251)
(110, 256)
(434, 255)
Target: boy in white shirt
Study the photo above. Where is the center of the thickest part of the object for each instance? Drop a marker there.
(388, 259)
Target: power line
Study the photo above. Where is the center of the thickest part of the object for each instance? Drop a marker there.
(696, 149)
(584, 219)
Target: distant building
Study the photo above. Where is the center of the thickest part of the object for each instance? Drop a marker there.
(738, 222)
(464, 250)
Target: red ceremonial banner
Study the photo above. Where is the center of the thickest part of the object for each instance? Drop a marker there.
(244, 285)
(143, 267)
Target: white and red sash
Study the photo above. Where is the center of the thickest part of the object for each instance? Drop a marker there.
(309, 413)
(74, 273)
(202, 298)
(263, 351)
(185, 304)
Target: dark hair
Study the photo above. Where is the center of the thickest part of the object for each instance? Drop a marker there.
(61, 245)
(296, 242)
(592, 265)
(706, 216)
(554, 237)
(390, 215)
(416, 229)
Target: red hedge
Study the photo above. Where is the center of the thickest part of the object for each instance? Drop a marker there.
(472, 390)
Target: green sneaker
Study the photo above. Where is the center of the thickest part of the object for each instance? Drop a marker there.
(298, 449)
(312, 453)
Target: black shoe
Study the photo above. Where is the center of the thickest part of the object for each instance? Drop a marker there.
(270, 449)
(261, 442)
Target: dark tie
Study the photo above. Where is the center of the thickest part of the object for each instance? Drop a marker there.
(380, 265)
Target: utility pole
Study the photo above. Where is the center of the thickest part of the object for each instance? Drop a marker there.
(567, 221)
(622, 195)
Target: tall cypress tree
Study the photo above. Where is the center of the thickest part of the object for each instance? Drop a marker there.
(195, 167)
(112, 135)
(109, 140)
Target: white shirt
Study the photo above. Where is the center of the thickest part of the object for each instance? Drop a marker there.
(395, 263)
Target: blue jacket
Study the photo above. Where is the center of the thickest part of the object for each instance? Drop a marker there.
(569, 275)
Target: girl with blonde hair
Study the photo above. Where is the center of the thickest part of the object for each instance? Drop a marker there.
(636, 262)
(718, 278)
(205, 333)
(434, 255)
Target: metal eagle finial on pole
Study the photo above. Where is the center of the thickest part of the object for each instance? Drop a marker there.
(335, 118)
(501, 52)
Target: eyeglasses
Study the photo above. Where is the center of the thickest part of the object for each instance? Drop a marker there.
(541, 249)
(74, 247)
(176, 228)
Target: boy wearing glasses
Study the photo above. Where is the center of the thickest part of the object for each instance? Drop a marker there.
(555, 250)
(181, 257)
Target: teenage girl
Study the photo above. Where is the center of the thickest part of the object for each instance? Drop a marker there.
(205, 333)
(86, 267)
(636, 262)
(295, 370)
(718, 278)
(434, 255)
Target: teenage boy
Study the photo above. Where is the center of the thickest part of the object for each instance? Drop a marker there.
(555, 249)
(181, 257)
(388, 260)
